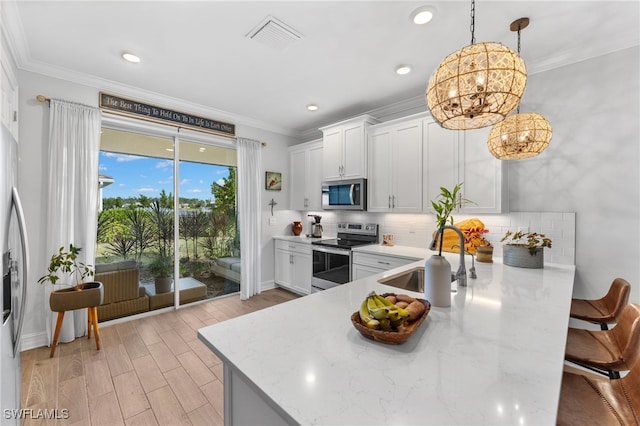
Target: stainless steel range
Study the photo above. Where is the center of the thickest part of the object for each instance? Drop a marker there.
(332, 257)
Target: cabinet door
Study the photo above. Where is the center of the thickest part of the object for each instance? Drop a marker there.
(440, 150)
(9, 107)
(332, 154)
(301, 277)
(362, 271)
(283, 268)
(407, 168)
(314, 178)
(354, 152)
(379, 185)
(481, 173)
(297, 180)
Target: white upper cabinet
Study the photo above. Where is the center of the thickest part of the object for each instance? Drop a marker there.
(484, 176)
(451, 157)
(395, 167)
(345, 149)
(305, 164)
(9, 89)
(440, 150)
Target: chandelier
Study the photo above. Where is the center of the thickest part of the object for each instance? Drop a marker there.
(519, 135)
(476, 86)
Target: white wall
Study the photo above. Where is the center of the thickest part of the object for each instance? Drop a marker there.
(32, 182)
(591, 165)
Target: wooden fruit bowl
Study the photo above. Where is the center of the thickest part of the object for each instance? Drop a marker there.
(391, 337)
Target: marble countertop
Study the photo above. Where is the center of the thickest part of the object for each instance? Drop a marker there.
(494, 357)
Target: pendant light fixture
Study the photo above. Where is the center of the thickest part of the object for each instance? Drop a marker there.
(476, 86)
(519, 135)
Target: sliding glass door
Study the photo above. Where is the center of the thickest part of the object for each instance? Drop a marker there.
(175, 225)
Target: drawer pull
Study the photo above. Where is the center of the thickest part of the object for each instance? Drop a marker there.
(384, 263)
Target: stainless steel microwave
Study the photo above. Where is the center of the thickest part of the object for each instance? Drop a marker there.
(345, 195)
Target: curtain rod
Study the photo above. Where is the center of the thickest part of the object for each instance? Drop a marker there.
(42, 98)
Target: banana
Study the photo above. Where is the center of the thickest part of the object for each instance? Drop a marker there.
(385, 324)
(364, 312)
(401, 312)
(377, 311)
(366, 319)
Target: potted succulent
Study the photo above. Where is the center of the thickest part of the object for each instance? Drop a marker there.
(81, 294)
(161, 267)
(524, 250)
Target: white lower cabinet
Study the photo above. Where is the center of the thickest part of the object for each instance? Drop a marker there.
(293, 266)
(366, 264)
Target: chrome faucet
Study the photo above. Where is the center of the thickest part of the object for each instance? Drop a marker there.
(461, 273)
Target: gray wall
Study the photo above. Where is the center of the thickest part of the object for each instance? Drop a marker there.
(591, 165)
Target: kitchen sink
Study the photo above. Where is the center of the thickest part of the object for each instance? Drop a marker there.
(412, 280)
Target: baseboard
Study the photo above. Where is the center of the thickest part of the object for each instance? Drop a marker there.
(33, 340)
(267, 285)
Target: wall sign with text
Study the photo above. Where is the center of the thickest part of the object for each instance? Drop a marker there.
(162, 115)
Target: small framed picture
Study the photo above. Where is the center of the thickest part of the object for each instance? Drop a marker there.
(273, 181)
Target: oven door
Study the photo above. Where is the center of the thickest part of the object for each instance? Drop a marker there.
(331, 267)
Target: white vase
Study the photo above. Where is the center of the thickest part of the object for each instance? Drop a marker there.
(437, 281)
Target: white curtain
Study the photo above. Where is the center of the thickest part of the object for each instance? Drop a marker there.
(72, 201)
(249, 190)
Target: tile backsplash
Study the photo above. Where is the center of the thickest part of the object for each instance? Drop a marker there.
(415, 230)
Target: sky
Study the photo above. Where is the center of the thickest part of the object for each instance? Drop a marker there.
(134, 176)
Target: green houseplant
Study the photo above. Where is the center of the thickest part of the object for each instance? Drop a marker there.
(161, 267)
(80, 294)
(524, 249)
(437, 270)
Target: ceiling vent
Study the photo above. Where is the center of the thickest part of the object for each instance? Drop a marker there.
(274, 33)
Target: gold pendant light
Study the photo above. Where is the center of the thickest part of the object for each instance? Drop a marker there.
(476, 86)
(519, 135)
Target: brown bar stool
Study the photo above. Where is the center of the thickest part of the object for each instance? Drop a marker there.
(591, 400)
(605, 310)
(607, 351)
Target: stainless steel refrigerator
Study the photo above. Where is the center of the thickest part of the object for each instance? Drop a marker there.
(14, 278)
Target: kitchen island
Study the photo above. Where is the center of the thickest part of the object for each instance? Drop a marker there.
(494, 357)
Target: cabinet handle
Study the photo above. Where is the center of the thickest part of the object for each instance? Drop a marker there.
(393, 201)
(15, 116)
(291, 259)
(389, 201)
(383, 263)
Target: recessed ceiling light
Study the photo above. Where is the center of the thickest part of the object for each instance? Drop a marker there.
(403, 69)
(312, 107)
(423, 15)
(130, 57)
(202, 149)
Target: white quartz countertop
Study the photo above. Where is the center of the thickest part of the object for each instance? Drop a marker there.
(494, 357)
(397, 251)
(300, 238)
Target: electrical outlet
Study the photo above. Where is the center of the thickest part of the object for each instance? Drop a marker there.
(272, 221)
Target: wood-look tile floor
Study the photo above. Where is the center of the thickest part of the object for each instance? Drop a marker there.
(149, 371)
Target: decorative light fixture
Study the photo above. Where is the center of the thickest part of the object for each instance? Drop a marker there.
(130, 57)
(423, 15)
(476, 86)
(403, 69)
(519, 135)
